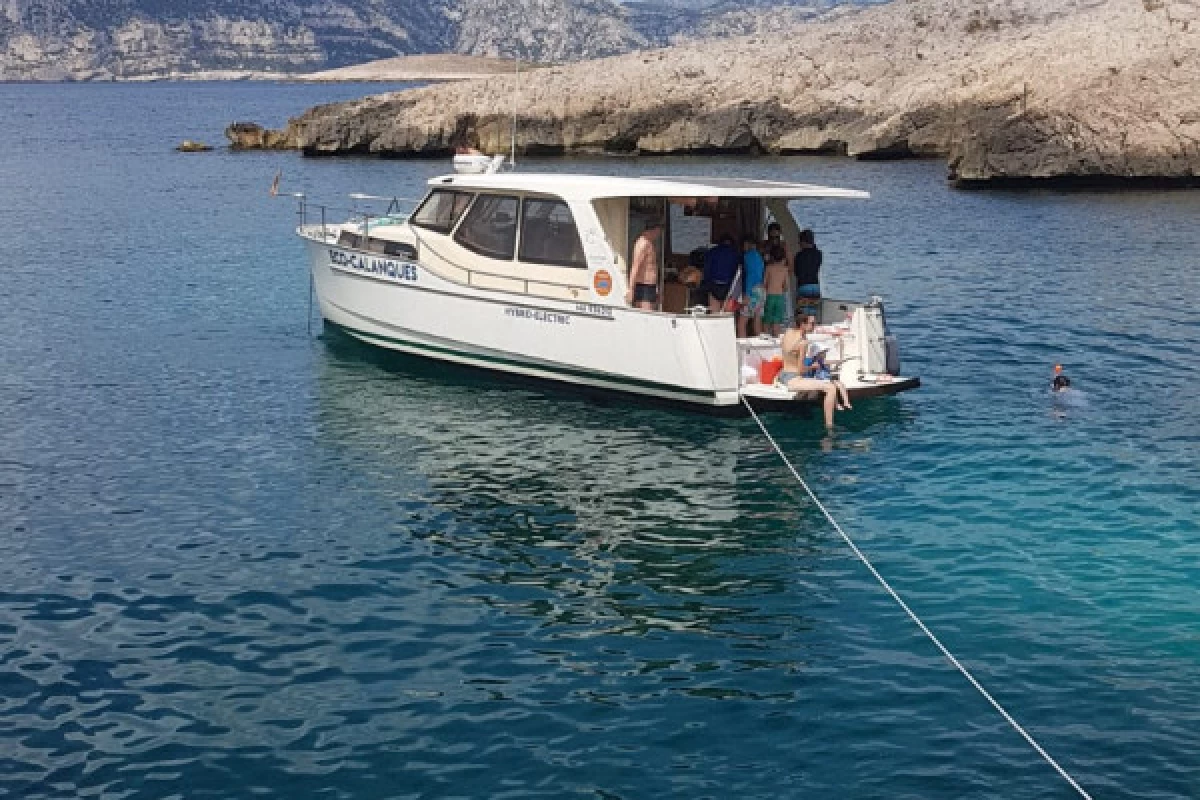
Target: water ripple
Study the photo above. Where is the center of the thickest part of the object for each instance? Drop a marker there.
(239, 560)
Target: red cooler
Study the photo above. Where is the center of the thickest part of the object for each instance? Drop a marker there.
(768, 369)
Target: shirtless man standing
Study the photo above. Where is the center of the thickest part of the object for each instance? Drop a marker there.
(643, 272)
(775, 281)
(795, 348)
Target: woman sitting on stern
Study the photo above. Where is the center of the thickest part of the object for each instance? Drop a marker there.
(797, 367)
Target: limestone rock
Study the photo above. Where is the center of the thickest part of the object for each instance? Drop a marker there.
(222, 39)
(1004, 89)
(70, 44)
(443, 67)
(251, 136)
(192, 146)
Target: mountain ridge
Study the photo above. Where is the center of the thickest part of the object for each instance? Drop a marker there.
(140, 39)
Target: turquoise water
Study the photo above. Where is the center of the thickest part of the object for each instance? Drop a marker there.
(237, 559)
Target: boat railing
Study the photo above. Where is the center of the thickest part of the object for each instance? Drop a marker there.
(312, 214)
(525, 282)
(398, 210)
(472, 276)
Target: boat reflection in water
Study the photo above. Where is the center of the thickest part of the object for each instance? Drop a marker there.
(596, 518)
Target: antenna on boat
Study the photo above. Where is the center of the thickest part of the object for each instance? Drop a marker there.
(512, 158)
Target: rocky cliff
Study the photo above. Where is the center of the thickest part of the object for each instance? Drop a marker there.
(130, 39)
(107, 39)
(1006, 90)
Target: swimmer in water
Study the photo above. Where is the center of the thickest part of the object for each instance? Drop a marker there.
(1061, 382)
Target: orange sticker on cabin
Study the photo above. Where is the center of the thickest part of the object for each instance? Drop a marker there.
(602, 282)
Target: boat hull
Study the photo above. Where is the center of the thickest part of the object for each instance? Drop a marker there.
(401, 305)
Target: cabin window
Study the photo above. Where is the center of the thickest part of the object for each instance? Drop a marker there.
(373, 245)
(441, 210)
(490, 227)
(400, 249)
(390, 248)
(548, 234)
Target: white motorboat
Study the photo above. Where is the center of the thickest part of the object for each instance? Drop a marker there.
(525, 273)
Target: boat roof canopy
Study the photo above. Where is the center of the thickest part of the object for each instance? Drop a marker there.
(587, 187)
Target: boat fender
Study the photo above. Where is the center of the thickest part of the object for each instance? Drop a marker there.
(893, 354)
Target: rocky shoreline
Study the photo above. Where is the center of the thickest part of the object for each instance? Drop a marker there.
(1009, 92)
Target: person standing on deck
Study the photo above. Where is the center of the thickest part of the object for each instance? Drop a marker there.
(774, 239)
(749, 321)
(775, 282)
(643, 272)
(808, 268)
(721, 265)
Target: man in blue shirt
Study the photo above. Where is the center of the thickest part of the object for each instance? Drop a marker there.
(749, 321)
(720, 269)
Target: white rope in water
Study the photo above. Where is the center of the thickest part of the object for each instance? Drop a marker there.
(912, 615)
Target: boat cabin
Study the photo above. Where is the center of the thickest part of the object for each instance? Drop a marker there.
(571, 237)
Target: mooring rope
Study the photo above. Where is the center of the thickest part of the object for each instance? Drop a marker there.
(911, 614)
